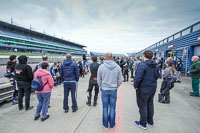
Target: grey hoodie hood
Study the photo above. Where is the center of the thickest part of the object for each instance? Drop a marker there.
(110, 64)
(109, 76)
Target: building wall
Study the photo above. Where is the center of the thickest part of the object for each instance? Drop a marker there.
(182, 46)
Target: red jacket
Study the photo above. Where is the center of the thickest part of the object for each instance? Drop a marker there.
(45, 77)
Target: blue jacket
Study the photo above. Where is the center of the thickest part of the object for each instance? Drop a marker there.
(146, 77)
(69, 71)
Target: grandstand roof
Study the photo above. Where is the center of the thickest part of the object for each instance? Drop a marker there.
(29, 32)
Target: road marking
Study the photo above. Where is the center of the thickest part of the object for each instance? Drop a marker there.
(119, 127)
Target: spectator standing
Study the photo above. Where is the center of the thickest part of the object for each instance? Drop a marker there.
(167, 83)
(160, 66)
(109, 78)
(145, 83)
(179, 68)
(24, 76)
(44, 95)
(10, 68)
(93, 82)
(55, 73)
(195, 75)
(70, 76)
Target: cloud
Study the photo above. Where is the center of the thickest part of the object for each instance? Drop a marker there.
(119, 26)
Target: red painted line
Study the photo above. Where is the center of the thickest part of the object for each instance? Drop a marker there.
(119, 127)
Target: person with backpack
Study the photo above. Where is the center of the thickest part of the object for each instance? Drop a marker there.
(93, 82)
(44, 80)
(24, 77)
(70, 76)
(145, 83)
(10, 68)
(167, 83)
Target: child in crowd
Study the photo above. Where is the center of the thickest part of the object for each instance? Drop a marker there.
(55, 73)
(44, 95)
(167, 83)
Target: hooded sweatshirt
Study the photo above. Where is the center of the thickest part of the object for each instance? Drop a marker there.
(46, 78)
(23, 72)
(146, 77)
(109, 76)
(10, 66)
(69, 71)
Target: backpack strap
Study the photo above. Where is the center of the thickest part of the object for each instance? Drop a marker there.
(45, 84)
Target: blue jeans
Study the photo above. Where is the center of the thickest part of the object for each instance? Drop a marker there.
(70, 86)
(43, 99)
(160, 71)
(109, 99)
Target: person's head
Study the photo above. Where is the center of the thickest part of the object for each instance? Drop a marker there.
(59, 62)
(169, 63)
(137, 57)
(108, 56)
(159, 58)
(101, 58)
(94, 58)
(55, 64)
(179, 59)
(23, 59)
(114, 57)
(68, 56)
(13, 58)
(44, 65)
(195, 58)
(148, 54)
(45, 58)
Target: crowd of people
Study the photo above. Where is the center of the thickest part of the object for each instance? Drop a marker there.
(105, 76)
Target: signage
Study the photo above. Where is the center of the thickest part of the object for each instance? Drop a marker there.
(171, 46)
(185, 51)
(198, 39)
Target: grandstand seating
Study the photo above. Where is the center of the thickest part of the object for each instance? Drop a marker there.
(23, 40)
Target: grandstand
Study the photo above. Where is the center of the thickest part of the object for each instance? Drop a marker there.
(103, 54)
(14, 38)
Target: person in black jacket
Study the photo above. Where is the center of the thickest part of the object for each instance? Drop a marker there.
(145, 83)
(125, 69)
(10, 68)
(24, 76)
(93, 81)
(179, 68)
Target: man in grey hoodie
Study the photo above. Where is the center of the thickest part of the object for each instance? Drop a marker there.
(109, 78)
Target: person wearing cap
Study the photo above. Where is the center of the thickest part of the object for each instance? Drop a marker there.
(195, 75)
(24, 77)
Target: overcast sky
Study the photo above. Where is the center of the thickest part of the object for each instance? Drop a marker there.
(117, 26)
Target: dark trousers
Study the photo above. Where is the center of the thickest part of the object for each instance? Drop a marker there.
(164, 91)
(90, 88)
(146, 107)
(24, 88)
(125, 74)
(70, 86)
(131, 73)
